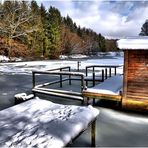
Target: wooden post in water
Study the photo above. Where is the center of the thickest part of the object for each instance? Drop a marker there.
(135, 87)
(78, 65)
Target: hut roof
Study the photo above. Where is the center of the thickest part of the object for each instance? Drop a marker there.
(139, 43)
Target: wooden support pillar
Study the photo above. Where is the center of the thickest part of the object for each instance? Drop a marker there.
(102, 75)
(93, 78)
(33, 79)
(105, 73)
(110, 72)
(60, 79)
(93, 134)
(115, 70)
(69, 76)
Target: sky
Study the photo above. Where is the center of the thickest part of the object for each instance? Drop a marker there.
(113, 19)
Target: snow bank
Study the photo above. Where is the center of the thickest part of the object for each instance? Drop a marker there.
(28, 67)
(75, 56)
(112, 54)
(3, 58)
(99, 54)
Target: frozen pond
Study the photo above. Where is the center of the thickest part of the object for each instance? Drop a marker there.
(28, 67)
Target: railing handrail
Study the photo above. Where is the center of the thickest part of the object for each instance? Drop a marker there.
(60, 73)
(105, 66)
(60, 68)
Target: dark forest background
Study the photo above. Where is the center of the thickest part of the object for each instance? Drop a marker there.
(29, 30)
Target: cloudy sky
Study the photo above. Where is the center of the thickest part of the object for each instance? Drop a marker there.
(115, 19)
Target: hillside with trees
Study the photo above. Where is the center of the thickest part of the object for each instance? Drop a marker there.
(29, 30)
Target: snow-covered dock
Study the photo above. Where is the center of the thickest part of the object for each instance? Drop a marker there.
(41, 123)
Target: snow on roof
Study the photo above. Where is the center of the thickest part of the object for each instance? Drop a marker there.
(139, 42)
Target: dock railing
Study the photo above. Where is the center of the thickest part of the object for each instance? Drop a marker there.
(41, 88)
(104, 72)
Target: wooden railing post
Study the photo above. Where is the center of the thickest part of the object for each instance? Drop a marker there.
(93, 78)
(115, 71)
(82, 83)
(78, 65)
(86, 71)
(69, 76)
(33, 79)
(105, 73)
(86, 75)
(60, 79)
(110, 72)
(102, 75)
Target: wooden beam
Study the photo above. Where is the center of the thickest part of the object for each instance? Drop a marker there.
(69, 96)
(102, 96)
(125, 80)
(59, 91)
(50, 83)
(93, 134)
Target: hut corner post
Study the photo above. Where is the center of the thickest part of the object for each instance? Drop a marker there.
(125, 69)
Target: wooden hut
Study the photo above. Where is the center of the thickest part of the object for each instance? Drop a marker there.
(135, 81)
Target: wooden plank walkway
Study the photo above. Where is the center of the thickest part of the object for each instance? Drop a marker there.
(109, 89)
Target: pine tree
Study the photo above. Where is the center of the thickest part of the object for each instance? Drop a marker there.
(53, 32)
(35, 37)
(101, 42)
(43, 15)
(79, 31)
(34, 7)
(144, 29)
(70, 24)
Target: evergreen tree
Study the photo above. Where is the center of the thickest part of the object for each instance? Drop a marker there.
(35, 37)
(34, 7)
(144, 29)
(53, 32)
(101, 42)
(43, 15)
(71, 25)
(79, 31)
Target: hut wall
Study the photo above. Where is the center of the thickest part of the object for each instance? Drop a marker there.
(135, 90)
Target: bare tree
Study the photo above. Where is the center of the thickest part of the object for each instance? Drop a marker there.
(15, 21)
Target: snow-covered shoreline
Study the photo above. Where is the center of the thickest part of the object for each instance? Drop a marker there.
(29, 66)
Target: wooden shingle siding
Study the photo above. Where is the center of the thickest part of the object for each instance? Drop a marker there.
(135, 91)
(137, 78)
